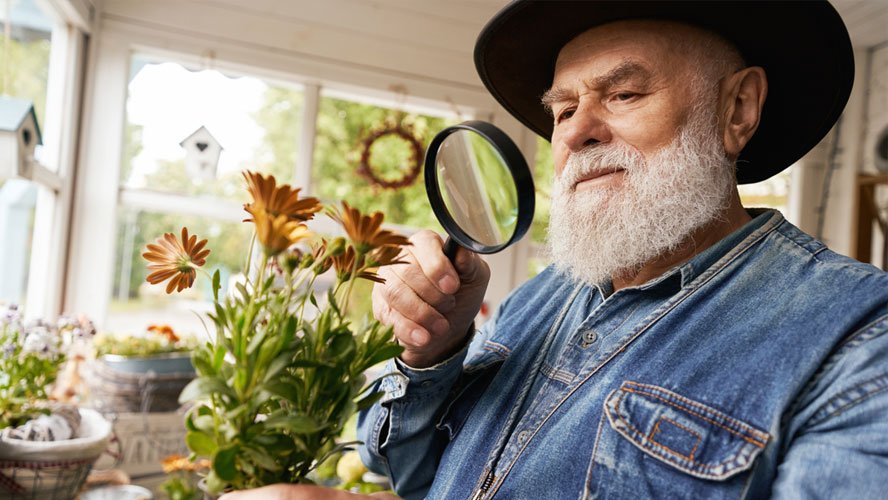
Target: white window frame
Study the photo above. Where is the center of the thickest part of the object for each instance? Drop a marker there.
(54, 176)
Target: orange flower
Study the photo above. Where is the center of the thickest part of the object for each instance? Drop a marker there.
(364, 230)
(165, 330)
(384, 256)
(278, 200)
(277, 233)
(176, 463)
(344, 263)
(175, 260)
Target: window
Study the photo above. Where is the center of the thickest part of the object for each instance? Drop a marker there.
(342, 126)
(257, 124)
(261, 125)
(40, 61)
(543, 175)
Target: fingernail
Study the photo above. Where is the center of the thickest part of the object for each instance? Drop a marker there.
(418, 337)
(441, 326)
(447, 284)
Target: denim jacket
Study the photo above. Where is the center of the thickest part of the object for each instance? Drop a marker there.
(759, 368)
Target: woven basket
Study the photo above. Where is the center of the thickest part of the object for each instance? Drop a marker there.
(118, 391)
(52, 469)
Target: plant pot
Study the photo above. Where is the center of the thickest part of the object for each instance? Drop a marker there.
(168, 363)
(125, 384)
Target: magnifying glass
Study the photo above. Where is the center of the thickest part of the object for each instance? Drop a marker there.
(479, 186)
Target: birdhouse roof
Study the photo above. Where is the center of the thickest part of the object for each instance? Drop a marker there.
(201, 133)
(13, 113)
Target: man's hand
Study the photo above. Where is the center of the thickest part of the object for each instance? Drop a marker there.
(429, 302)
(301, 492)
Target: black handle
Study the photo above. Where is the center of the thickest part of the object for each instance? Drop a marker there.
(450, 248)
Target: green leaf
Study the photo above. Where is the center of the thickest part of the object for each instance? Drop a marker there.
(202, 363)
(342, 345)
(200, 443)
(257, 340)
(204, 386)
(276, 365)
(284, 389)
(218, 358)
(297, 424)
(221, 318)
(243, 291)
(262, 458)
(216, 285)
(224, 463)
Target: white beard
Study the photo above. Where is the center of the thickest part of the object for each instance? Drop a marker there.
(598, 234)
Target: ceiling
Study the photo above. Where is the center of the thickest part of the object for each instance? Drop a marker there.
(867, 21)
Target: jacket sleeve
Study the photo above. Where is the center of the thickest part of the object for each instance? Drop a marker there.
(399, 433)
(839, 444)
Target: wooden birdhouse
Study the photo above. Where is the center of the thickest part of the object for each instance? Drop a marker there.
(202, 152)
(19, 137)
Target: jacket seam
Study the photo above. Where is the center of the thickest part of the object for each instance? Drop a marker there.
(829, 409)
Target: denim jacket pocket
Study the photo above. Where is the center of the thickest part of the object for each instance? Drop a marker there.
(692, 437)
(477, 374)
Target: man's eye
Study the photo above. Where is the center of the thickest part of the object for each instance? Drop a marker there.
(564, 115)
(624, 96)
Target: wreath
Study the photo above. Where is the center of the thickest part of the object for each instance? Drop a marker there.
(411, 171)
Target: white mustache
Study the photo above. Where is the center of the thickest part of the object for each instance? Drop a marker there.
(599, 159)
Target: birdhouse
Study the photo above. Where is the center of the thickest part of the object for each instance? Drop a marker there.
(19, 137)
(202, 152)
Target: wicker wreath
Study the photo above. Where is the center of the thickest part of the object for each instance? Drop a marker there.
(411, 171)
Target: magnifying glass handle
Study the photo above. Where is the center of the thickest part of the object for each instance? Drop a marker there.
(450, 248)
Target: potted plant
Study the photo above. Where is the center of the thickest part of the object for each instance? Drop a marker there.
(46, 447)
(157, 349)
(285, 370)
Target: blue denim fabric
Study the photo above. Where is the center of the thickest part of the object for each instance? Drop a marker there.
(759, 368)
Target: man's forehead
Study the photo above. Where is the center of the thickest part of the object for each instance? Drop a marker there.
(655, 35)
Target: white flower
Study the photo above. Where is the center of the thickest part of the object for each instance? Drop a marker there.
(41, 342)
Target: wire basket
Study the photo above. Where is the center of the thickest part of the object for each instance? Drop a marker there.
(52, 469)
(26, 480)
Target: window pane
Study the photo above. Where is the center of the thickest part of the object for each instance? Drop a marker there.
(17, 201)
(24, 63)
(136, 303)
(256, 124)
(770, 193)
(341, 129)
(543, 174)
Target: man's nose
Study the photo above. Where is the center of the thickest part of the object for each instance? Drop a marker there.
(584, 128)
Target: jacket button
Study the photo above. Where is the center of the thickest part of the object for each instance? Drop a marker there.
(589, 338)
(522, 437)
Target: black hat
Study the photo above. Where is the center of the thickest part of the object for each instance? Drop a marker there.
(803, 46)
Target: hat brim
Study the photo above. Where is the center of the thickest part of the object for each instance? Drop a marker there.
(804, 48)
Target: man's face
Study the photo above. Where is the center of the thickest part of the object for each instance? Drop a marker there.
(640, 162)
(623, 83)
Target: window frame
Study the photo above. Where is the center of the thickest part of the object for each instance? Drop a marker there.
(54, 174)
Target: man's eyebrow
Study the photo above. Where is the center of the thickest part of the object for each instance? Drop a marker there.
(621, 73)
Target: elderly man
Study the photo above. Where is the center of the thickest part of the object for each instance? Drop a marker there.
(681, 346)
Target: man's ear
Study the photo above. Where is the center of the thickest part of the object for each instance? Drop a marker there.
(741, 99)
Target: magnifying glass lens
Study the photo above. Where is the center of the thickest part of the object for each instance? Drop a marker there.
(477, 188)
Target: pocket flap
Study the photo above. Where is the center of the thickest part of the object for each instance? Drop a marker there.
(685, 434)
